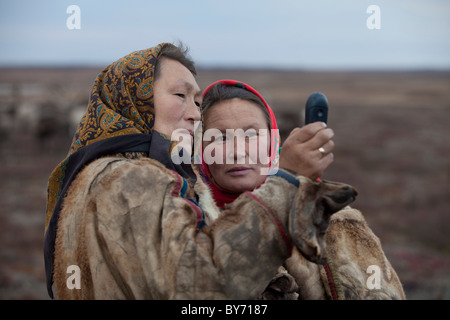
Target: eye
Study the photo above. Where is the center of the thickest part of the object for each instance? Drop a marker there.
(181, 95)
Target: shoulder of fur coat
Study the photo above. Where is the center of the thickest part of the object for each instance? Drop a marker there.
(77, 221)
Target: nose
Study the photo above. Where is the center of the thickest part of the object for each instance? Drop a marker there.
(237, 150)
(193, 112)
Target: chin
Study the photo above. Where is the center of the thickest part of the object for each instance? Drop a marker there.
(243, 183)
(241, 187)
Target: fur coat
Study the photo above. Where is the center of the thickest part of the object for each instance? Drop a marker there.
(137, 230)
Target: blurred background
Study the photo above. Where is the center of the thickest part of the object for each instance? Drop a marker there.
(383, 65)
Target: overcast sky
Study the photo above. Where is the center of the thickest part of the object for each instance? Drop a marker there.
(315, 34)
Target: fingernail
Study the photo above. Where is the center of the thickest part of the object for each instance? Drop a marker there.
(324, 124)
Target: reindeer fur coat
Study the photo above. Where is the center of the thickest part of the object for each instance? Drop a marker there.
(138, 230)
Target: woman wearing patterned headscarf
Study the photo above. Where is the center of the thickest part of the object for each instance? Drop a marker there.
(120, 119)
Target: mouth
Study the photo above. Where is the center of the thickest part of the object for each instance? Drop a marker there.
(239, 171)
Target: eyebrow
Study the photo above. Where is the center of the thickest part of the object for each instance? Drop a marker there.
(189, 87)
(253, 126)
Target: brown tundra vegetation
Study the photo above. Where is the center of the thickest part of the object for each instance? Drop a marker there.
(392, 137)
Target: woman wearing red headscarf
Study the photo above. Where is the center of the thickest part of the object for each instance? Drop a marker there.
(236, 110)
(351, 247)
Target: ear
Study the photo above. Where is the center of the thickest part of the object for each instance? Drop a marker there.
(309, 218)
(336, 196)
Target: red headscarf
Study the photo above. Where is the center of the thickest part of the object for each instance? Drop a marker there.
(221, 195)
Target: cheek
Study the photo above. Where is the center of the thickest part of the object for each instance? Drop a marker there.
(215, 171)
(168, 108)
(259, 180)
(266, 143)
(259, 150)
(176, 110)
(214, 152)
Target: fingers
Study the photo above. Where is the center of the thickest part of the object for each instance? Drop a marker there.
(315, 138)
(322, 164)
(320, 139)
(307, 132)
(308, 150)
(326, 148)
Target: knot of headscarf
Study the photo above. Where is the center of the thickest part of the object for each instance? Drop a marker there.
(222, 196)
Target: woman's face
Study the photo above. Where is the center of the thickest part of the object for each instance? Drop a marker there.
(238, 152)
(177, 98)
